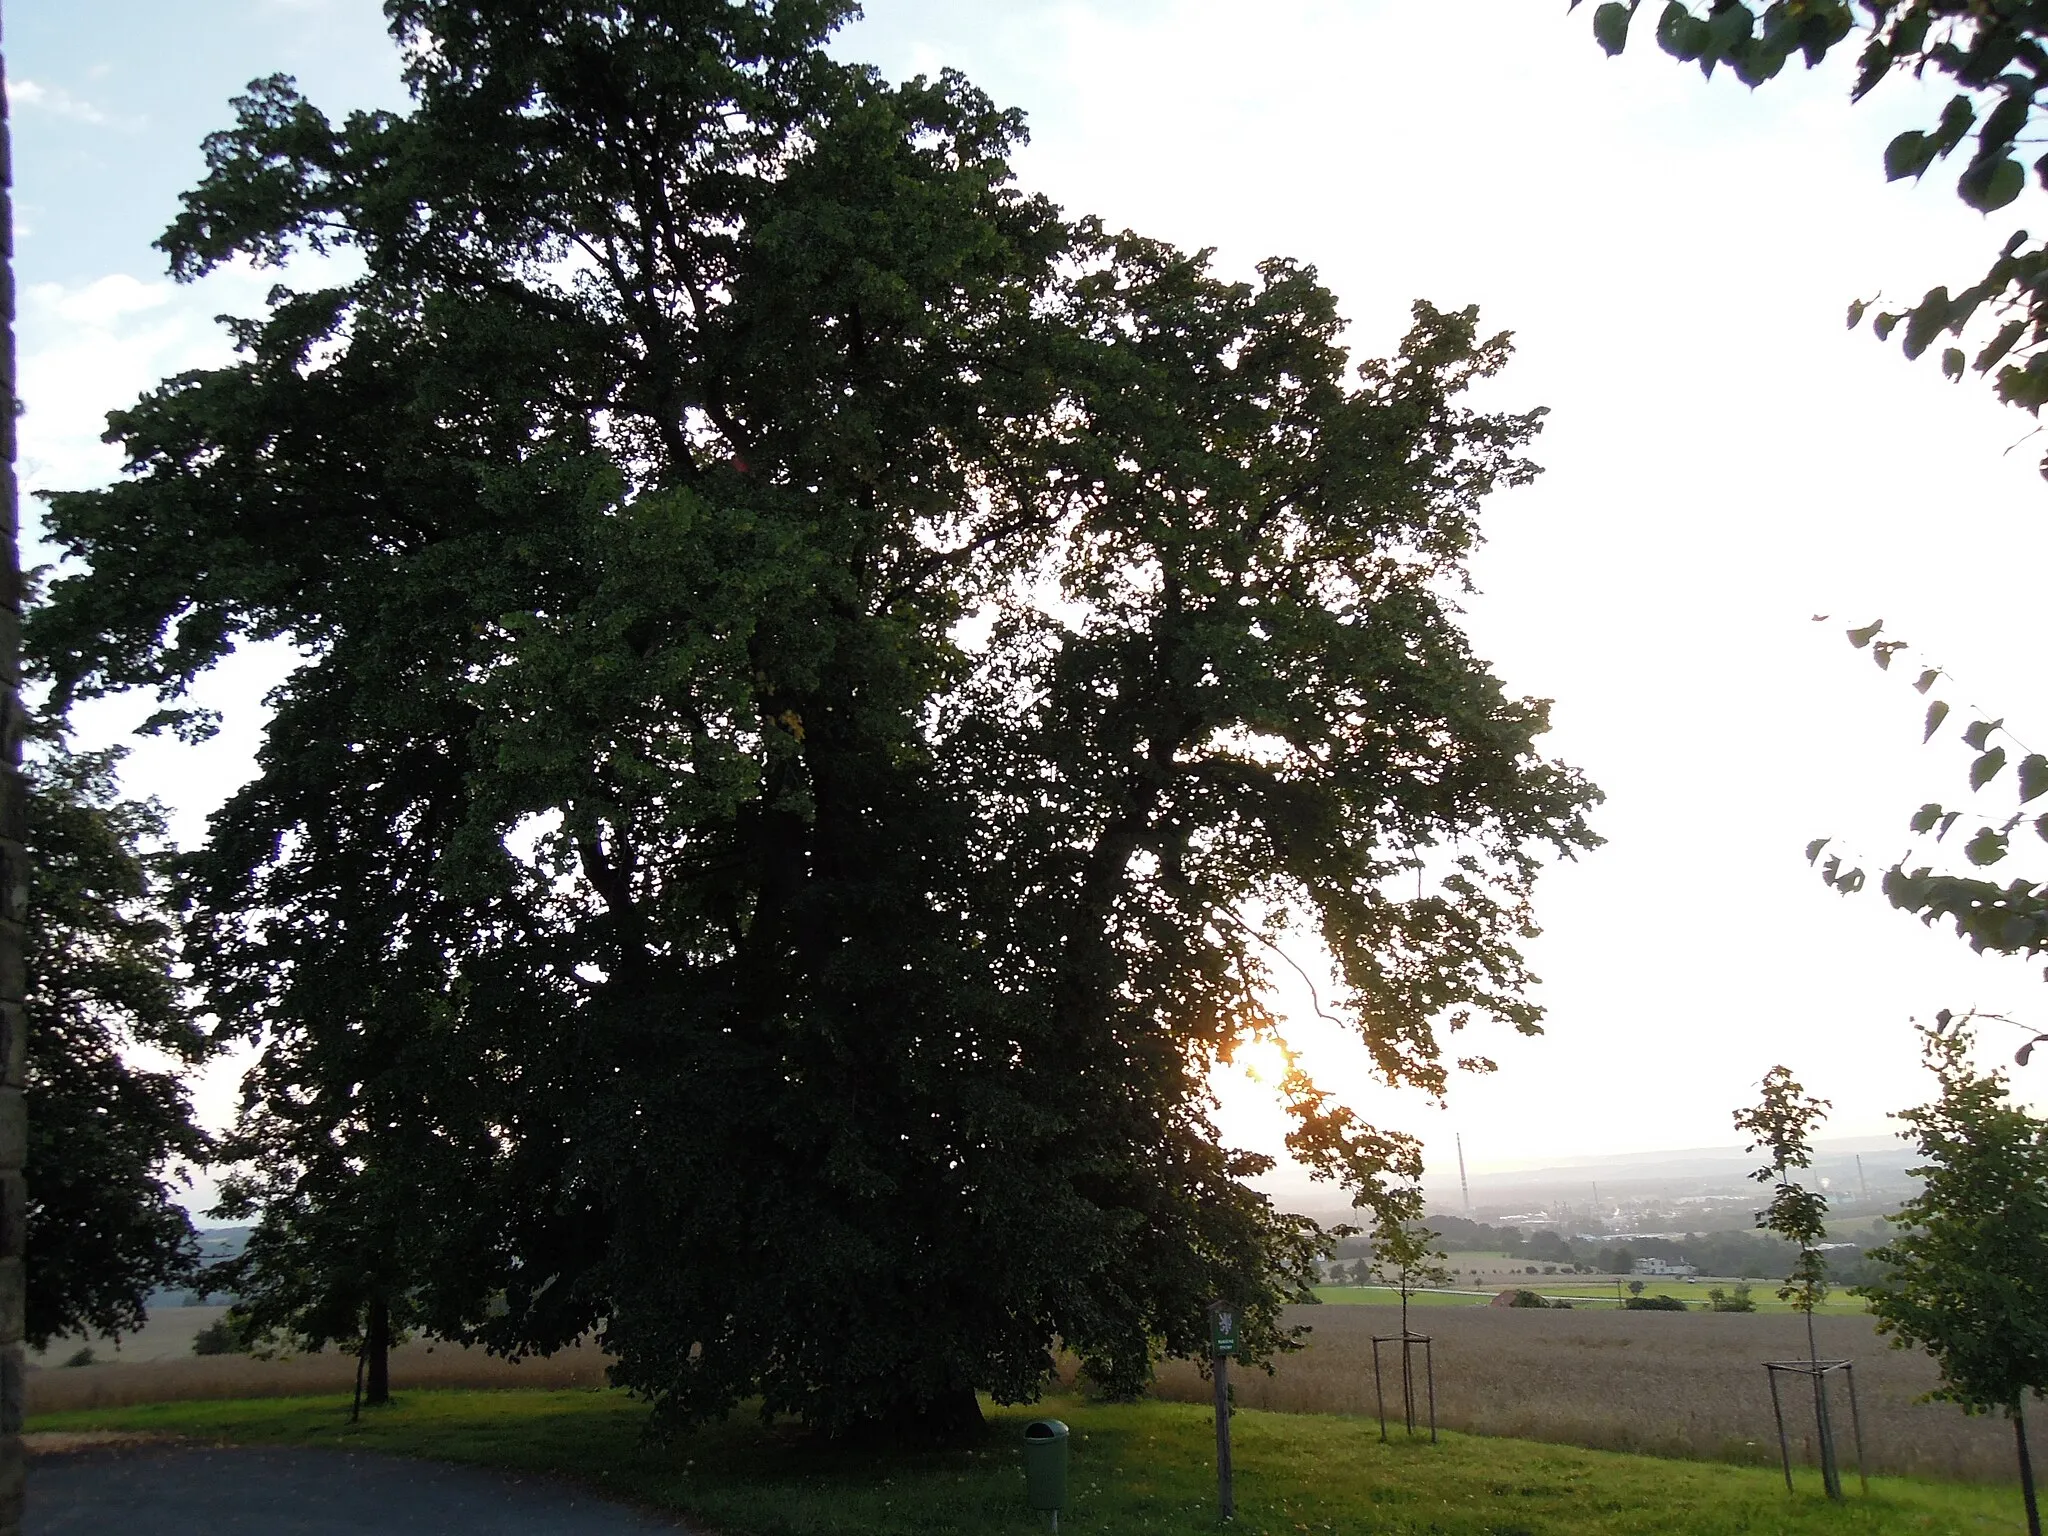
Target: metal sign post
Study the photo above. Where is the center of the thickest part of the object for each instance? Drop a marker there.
(1222, 1345)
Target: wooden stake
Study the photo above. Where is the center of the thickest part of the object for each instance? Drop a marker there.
(1226, 1489)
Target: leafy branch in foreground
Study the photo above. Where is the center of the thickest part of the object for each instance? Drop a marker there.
(2009, 918)
(1994, 54)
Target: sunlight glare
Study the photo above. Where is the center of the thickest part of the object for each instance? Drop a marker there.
(1265, 1060)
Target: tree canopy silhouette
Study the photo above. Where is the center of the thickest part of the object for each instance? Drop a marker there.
(822, 684)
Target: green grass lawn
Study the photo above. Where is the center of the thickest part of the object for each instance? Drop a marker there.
(1141, 1468)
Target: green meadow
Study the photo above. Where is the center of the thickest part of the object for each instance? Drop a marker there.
(1139, 1468)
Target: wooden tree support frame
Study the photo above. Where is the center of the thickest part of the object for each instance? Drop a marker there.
(1408, 1342)
(1818, 1372)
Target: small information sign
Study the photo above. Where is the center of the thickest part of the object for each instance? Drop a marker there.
(1222, 1328)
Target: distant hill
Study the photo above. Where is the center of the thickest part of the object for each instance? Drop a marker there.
(1692, 1170)
(1696, 1188)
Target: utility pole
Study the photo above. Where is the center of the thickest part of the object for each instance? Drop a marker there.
(1463, 1183)
(13, 887)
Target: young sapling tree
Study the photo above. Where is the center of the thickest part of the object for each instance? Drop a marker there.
(1405, 1256)
(1781, 1125)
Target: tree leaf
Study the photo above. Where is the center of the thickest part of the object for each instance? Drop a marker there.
(2007, 338)
(2004, 122)
(1936, 713)
(1956, 118)
(1679, 32)
(1925, 680)
(1953, 363)
(1990, 184)
(1856, 312)
(1908, 155)
(1987, 767)
(1730, 26)
(1610, 26)
(2033, 776)
(1986, 848)
(1925, 818)
(1947, 823)
(1813, 848)
(1978, 736)
(1924, 321)
(1862, 637)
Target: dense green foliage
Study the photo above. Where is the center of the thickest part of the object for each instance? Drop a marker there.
(104, 1226)
(822, 684)
(1966, 1278)
(1996, 55)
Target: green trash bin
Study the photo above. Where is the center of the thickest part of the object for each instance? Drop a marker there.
(1045, 1466)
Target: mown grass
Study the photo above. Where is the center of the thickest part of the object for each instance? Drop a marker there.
(1141, 1468)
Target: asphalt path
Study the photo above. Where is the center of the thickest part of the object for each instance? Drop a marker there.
(171, 1490)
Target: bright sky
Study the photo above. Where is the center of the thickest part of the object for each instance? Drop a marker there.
(1724, 459)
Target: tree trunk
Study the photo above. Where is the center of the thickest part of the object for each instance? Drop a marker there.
(378, 1350)
(13, 891)
(952, 1417)
(2019, 1434)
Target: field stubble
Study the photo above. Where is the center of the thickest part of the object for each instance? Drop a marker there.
(414, 1367)
(1664, 1383)
(1685, 1384)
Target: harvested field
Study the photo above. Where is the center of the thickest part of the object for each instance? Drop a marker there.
(413, 1367)
(167, 1335)
(1686, 1384)
(1667, 1383)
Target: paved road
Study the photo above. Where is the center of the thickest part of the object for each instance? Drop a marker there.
(178, 1491)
